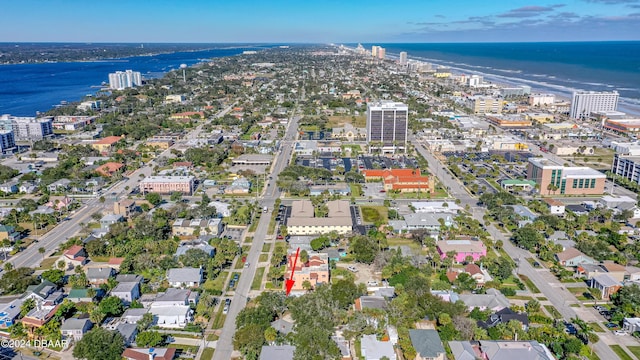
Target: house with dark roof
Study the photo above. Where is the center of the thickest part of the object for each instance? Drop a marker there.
(370, 302)
(284, 327)
(606, 284)
(184, 277)
(492, 300)
(499, 350)
(277, 352)
(504, 316)
(100, 275)
(427, 344)
(74, 329)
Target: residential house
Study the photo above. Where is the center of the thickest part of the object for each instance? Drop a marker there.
(498, 350)
(9, 233)
(503, 317)
(631, 325)
(523, 212)
(149, 354)
(493, 300)
(436, 207)
(427, 344)
(337, 189)
(556, 207)
(10, 312)
(74, 329)
(315, 270)
(110, 219)
(128, 332)
(344, 346)
(196, 244)
(110, 169)
(27, 188)
(61, 185)
(37, 317)
(284, 327)
(59, 202)
(606, 284)
(9, 187)
(422, 220)
(370, 302)
(462, 249)
(100, 275)
(176, 297)
(126, 207)
(240, 185)
(74, 256)
(185, 277)
(277, 352)
(573, 257)
(133, 315)
(372, 349)
(171, 309)
(616, 271)
(221, 207)
(197, 227)
(84, 295)
(561, 238)
(127, 291)
(122, 278)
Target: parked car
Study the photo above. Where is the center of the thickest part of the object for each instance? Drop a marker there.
(611, 325)
(246, 265)
(620, 332)
(372, 283)
(352, 268)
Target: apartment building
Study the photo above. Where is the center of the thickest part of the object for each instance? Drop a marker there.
(168, 184)
(583, 103)
(303, 221)
(315, 270)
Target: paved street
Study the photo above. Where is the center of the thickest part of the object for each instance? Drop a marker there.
(224, 347)
(548, 285)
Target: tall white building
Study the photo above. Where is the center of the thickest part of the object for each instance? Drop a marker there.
(541, 99)
(387, 124)
(124, 79)
(403, 58)
(7, 141)
(583, 103)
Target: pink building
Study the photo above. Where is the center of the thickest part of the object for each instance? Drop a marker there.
(168, 184)
(462, 249)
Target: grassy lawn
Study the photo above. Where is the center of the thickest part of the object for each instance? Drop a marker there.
(207, 353)
(415, 247)
(356, 190)
(218, 321)
(248, 239)
(263, 257)
(575, 305)
(520, 297)
(542, 298)
(553, 312)
(257, 280)
(373, 214)
(529, 284)
(266, 247)
(340, 120)
(216, 284)
(48, 263)
(620, 352)
(635, 350)
(596, 327)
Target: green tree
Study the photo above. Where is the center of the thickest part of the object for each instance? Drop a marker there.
(27, 306)
(194, 258)
(153, 198)
(54, 275)
(146, 322)
(16, 281)
(99, 344)
(364, 248)
(149, 339)
(111, 306)
(465, 282)
(527, 237)
(270, 335)
(176, 196)
(249, 340)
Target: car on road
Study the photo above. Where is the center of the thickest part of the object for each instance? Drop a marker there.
(620, 332)
(372, 283)
(246, 265)
(352, 268)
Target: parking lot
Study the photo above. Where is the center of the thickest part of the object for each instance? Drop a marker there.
(373, 190)
(234, 234)
(383, 162)
(325, 162)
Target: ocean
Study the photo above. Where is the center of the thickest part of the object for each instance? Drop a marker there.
(557, 67)
(28, 88)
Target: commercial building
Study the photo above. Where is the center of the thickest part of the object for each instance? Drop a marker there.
(252, 160)
(627, 166)
(541, 99)
(583, 103)
(462, 249)
(7, 141)
(553, 178)
(303, 221)
(124, 79)
(28, 128)
(402, 180)
(510, 121)
(624, 126)
(387, 124)
(515, 91)
(168, 184)
(484, 105)
(196, 227)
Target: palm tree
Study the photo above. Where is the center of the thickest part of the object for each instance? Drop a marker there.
(42, 250)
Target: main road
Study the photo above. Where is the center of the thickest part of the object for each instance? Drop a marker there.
(559, 297)
(31, 256)
(224, 347)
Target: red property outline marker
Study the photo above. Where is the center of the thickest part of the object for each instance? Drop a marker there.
(290, 281)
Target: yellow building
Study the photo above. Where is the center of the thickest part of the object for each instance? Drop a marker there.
(539, 117)
(163, 144)
(106, 144)
(303, 221)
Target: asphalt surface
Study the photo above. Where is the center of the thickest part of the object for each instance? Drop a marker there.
(559, 297)
(224, 347)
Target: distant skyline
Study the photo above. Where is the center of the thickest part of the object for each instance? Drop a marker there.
(313, 21)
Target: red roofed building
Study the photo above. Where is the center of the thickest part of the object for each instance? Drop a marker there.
(109, 169)
(149, 354)
(401, 180)
(105, 144)
(315, 270)
(74, 256)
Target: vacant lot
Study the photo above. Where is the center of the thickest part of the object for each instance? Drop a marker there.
(372, 214)
(338, 121)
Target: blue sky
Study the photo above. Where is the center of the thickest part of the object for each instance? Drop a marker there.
(322, 21)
